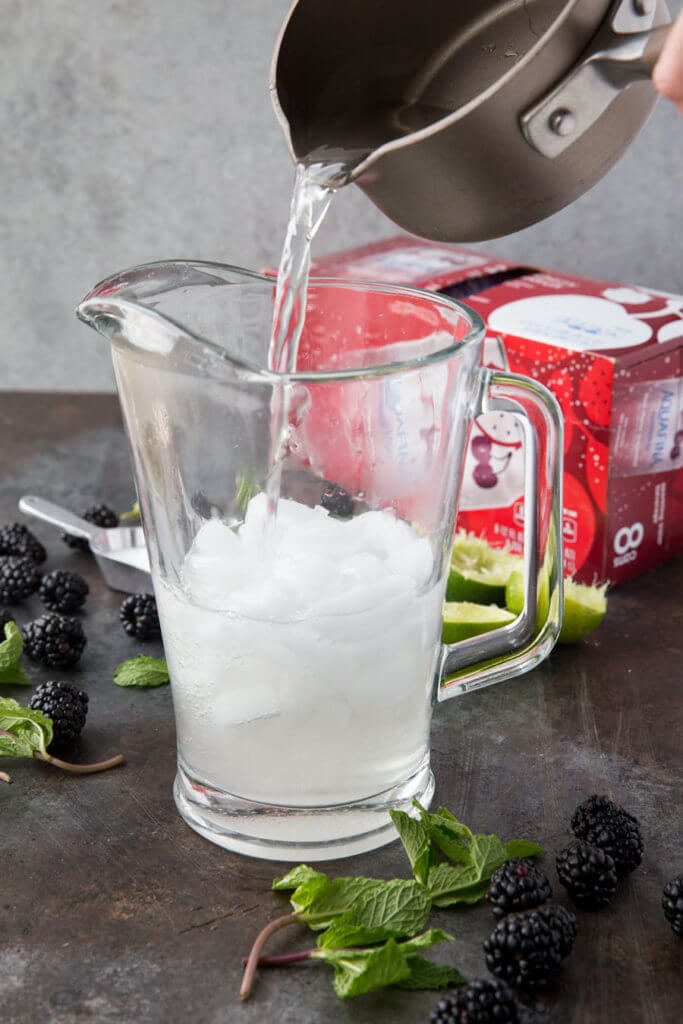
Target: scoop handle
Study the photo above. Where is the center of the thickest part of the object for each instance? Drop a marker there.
(55, 515)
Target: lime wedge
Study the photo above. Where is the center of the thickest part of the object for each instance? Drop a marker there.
(478, 571)
(584, 606)
(584, 609)
(463, 619)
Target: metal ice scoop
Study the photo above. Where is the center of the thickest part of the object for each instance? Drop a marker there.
(119, 551)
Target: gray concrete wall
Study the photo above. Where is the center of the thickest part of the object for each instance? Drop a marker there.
(134, 130)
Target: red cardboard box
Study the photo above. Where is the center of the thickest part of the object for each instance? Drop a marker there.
(613, 356)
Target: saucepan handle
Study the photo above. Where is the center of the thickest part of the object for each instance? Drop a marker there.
(513, 649)
(613, 61)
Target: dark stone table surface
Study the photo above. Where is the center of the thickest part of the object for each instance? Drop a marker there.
(113, 910)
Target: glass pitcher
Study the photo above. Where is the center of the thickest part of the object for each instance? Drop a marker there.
(299, 529)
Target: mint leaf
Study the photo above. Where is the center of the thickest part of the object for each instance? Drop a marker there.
(449, 885)
(142, 671)
(343, 934)
(522, 848)
(296, 877)
(487, 853)
(415, 838)
(11, 649)
(426, 975)
(14, 675)
(306, 893)
(133, 514)
(401, 907)
(23, 731)
(447, 834)
(359, 971)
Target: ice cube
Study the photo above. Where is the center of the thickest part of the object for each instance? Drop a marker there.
(257, 699)
(414, 560)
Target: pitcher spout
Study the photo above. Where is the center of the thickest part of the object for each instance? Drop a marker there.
(190, 311)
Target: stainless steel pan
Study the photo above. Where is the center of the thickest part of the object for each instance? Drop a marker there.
(502, 111)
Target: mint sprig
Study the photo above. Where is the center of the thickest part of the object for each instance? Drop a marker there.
(142, 671)
(11, 650)
(26, 732)
(370, 930)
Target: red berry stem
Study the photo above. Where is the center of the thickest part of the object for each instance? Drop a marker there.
(4, 777)
(255, 954)
(79, 769)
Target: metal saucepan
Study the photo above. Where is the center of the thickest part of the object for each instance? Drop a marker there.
(120, 551)
(498, 113)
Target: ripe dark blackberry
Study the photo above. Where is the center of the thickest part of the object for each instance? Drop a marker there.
(19, 578)
(480, 1002)
(672, 904)
(66, 706)
(602, 823)
(517, 885)
(17, 539)
(588, 874)
(100, 515)
(62, 591)
(337, 501)
(54, 640)
(140, 618)
(526, 949)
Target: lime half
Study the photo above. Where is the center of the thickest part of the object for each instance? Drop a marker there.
(463, 619)
(478, 571)
(584, 606)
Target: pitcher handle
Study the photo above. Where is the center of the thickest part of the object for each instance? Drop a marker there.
(516, 648)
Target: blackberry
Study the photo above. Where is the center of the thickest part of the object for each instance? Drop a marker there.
(100, 515)
(62, 591)
(672, 904)
(526, 949)
(19, 578)
(17, 539)
(140, 618)
(337, 501)
(588, 874)
(602, 823)
(517, 885)
(480, 1002)
(54, 640)
(66, 706)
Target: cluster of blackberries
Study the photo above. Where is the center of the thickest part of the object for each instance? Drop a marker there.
(528, 945)
(610, 846)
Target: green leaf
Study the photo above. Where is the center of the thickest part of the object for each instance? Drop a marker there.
(12, 646)
(401, 907)
(488, 853)
(133, 514)
(14, 675)
(343, 934)
(359, 971)
(11, 649)
(522, 848)
(23, 731)
(305, 895)
(447, 834)
(425, 941)
(142, 671)
(452, 884)
(415, 838)
(296, 877)
(426, 975)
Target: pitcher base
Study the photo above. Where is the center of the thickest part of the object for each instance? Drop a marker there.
(273, 832)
